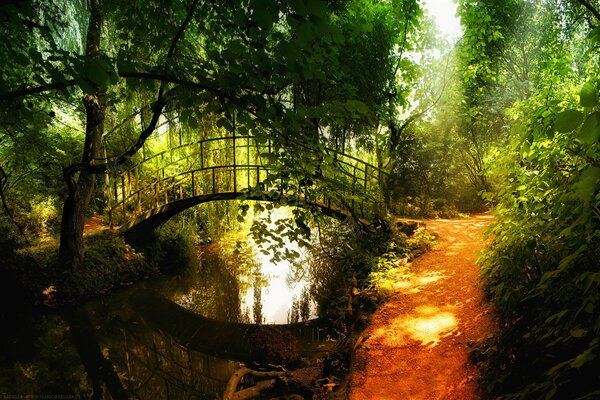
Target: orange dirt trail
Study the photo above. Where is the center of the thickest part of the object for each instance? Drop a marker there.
(417, 343)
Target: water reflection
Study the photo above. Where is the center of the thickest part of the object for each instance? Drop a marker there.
(235, 280)
(36, 356)
(231, 281)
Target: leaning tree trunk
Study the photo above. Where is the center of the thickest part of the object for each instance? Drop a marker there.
(81, 187)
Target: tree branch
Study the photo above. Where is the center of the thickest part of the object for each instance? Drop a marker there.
(164, 78)
(174, 42)
(157, 109)
(395, 132)
(37, 89)
(3, 179)
(590, 8)
(230, 391)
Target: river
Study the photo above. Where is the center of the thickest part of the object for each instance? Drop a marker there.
(67, 353)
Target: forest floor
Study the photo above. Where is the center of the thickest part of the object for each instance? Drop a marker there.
(417, 344)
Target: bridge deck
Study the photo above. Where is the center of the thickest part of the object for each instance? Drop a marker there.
(189, 171)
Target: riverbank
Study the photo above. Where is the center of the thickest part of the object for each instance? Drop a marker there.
(228, 290)
(33, 278)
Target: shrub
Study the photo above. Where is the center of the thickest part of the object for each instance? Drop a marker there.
(172, 245)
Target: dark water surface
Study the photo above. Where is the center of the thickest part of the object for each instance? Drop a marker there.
(105, 346)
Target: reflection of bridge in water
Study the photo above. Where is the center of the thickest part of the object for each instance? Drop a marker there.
(158, 187)
(173, 353)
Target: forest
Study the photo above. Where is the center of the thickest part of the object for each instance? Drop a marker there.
(135, 136)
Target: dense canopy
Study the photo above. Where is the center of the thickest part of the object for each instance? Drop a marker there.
(507, 119)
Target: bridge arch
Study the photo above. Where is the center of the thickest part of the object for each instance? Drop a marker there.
(148, 193)
(137, 232)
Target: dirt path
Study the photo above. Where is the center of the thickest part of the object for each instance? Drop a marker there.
(417, 346)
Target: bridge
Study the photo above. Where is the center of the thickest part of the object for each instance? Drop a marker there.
(144, 195)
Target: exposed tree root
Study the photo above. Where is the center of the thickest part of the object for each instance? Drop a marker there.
(231, 392)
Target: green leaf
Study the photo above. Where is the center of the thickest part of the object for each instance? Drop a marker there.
(588, 96)
(99, 71)
(306, 32)
(594, 35)
(590, 130)
(568, 120)
(225, 124)
(192, 121)
(265, 13)
(584, 357)
(357, 106)
(586, 186)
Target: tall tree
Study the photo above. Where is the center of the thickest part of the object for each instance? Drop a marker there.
(278, 67)
(81, 188)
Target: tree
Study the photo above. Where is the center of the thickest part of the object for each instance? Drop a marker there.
(278, 67)
(541, 266)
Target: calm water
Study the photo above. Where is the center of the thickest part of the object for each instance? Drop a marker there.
(66, 354)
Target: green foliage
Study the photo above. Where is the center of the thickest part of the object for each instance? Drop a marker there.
(172, 245)
(541, 272)
(404, 247)
(272, 235)
(298, 74)
(541, 268)
(349, 261)
(109, 262)
(32, 277)
(426, 207)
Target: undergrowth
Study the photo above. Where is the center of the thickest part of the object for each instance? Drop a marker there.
(32, 275)
(542, 274)
(402, 248)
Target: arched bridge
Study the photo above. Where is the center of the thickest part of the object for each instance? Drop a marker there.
(148, 193)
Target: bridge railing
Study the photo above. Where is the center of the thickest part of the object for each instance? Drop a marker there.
(194, 169)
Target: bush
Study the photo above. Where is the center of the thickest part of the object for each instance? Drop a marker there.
(172, 245)
(109, 262)
(542, 273)
(426, 207)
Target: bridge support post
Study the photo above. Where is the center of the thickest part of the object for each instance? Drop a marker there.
(193, 184)
(234, 157)
(214, 187)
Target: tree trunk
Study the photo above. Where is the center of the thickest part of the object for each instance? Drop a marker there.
(81, 188)
(99, 370)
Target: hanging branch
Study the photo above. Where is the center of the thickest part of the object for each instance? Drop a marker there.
(3, 180)
(395, 131)
(157, 108)
(37, 89)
